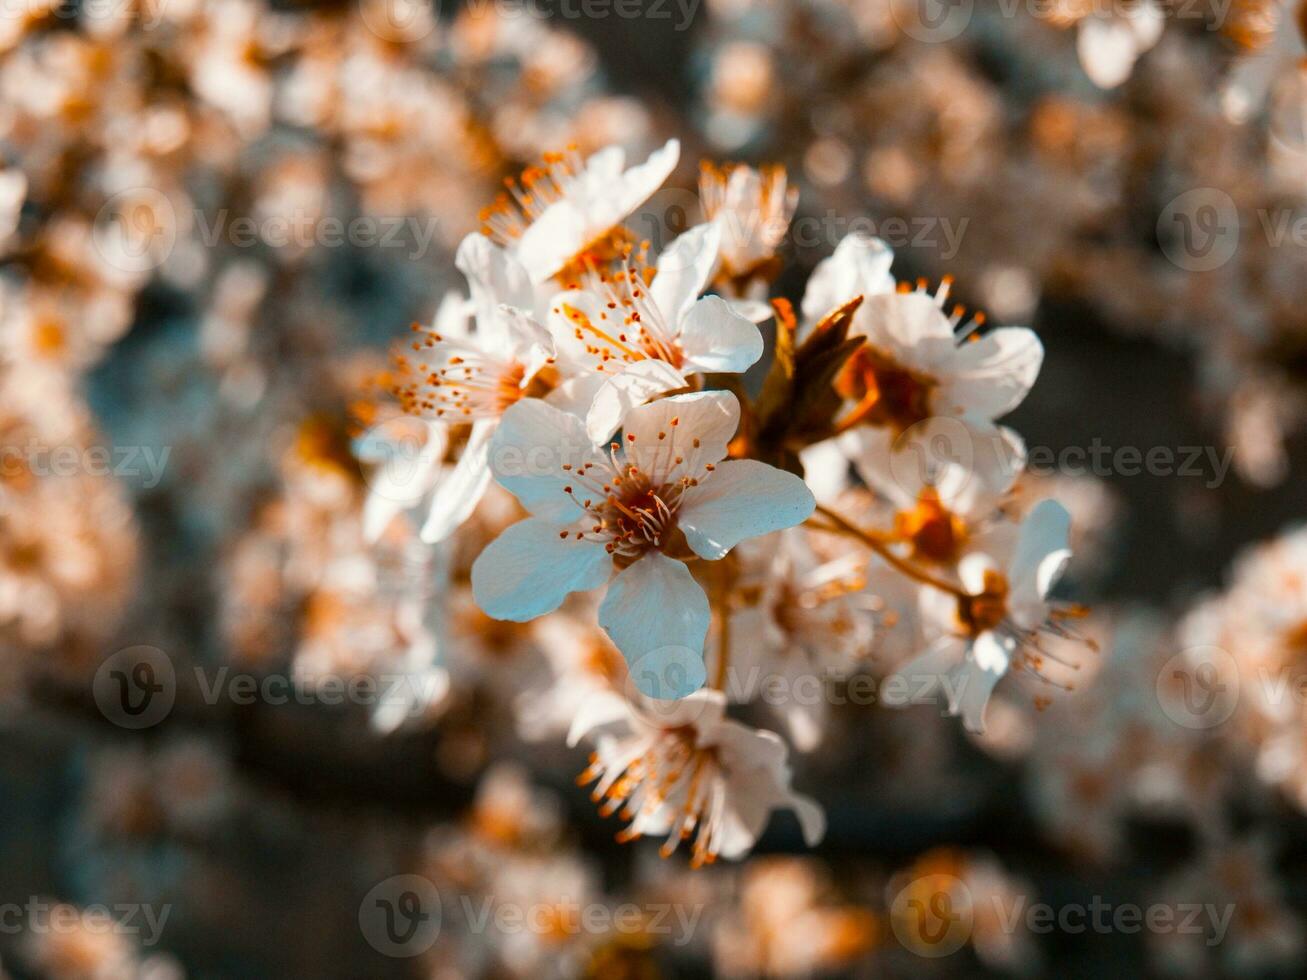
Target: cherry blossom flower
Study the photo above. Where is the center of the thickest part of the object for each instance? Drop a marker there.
(637, 334)
(919, 362)
(801, 618)
(635, 514)
(997, 624)
(688, 772)
(859, 267)
(471, 378)
(752, 209)
(567, 209)
(937, 502)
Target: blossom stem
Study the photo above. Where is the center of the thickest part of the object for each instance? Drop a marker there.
(878, 544)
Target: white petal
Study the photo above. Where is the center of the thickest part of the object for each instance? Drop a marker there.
(683, 270)
(1041, 556)
(461, 489)
(920, 680)
(619, 393)
(753, 310)
(407, 453)
(911, 328)
(992, 376)
(553, 239)
(742, 498)
(716, 338)
(531, 568)
(759, 782)
(602, 709)
(532, 445)
(1148, 20)
(986, 664)
(1108, 48)
(638, 184)
(825, 469)
(657, 615)
(711, 417)
(970, 463)
(605, 166)
(494, 277)
(531, 344)
(859, 267)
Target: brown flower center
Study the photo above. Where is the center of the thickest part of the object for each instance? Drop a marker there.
(886, 392)
(985, 610)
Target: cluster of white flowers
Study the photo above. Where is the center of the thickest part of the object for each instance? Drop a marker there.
(624, 401)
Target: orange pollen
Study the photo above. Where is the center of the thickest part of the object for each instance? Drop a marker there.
(935, 534)
(986, 610)
(886, 392)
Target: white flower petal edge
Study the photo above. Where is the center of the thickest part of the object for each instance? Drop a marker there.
(859, 267)
(714, 337)
(595, 201)
(459, 492)
(1015, 580)
(404, 470)
(743, 499)
(658, 616)
(683, 270)
(689, 773)
(993, 374)
(1040, 557)
(531, 568)
(494, 277)
(641, 382)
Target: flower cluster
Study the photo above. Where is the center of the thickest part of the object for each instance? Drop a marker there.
(623, 399)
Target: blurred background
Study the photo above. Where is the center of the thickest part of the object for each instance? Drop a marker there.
(217, 215)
